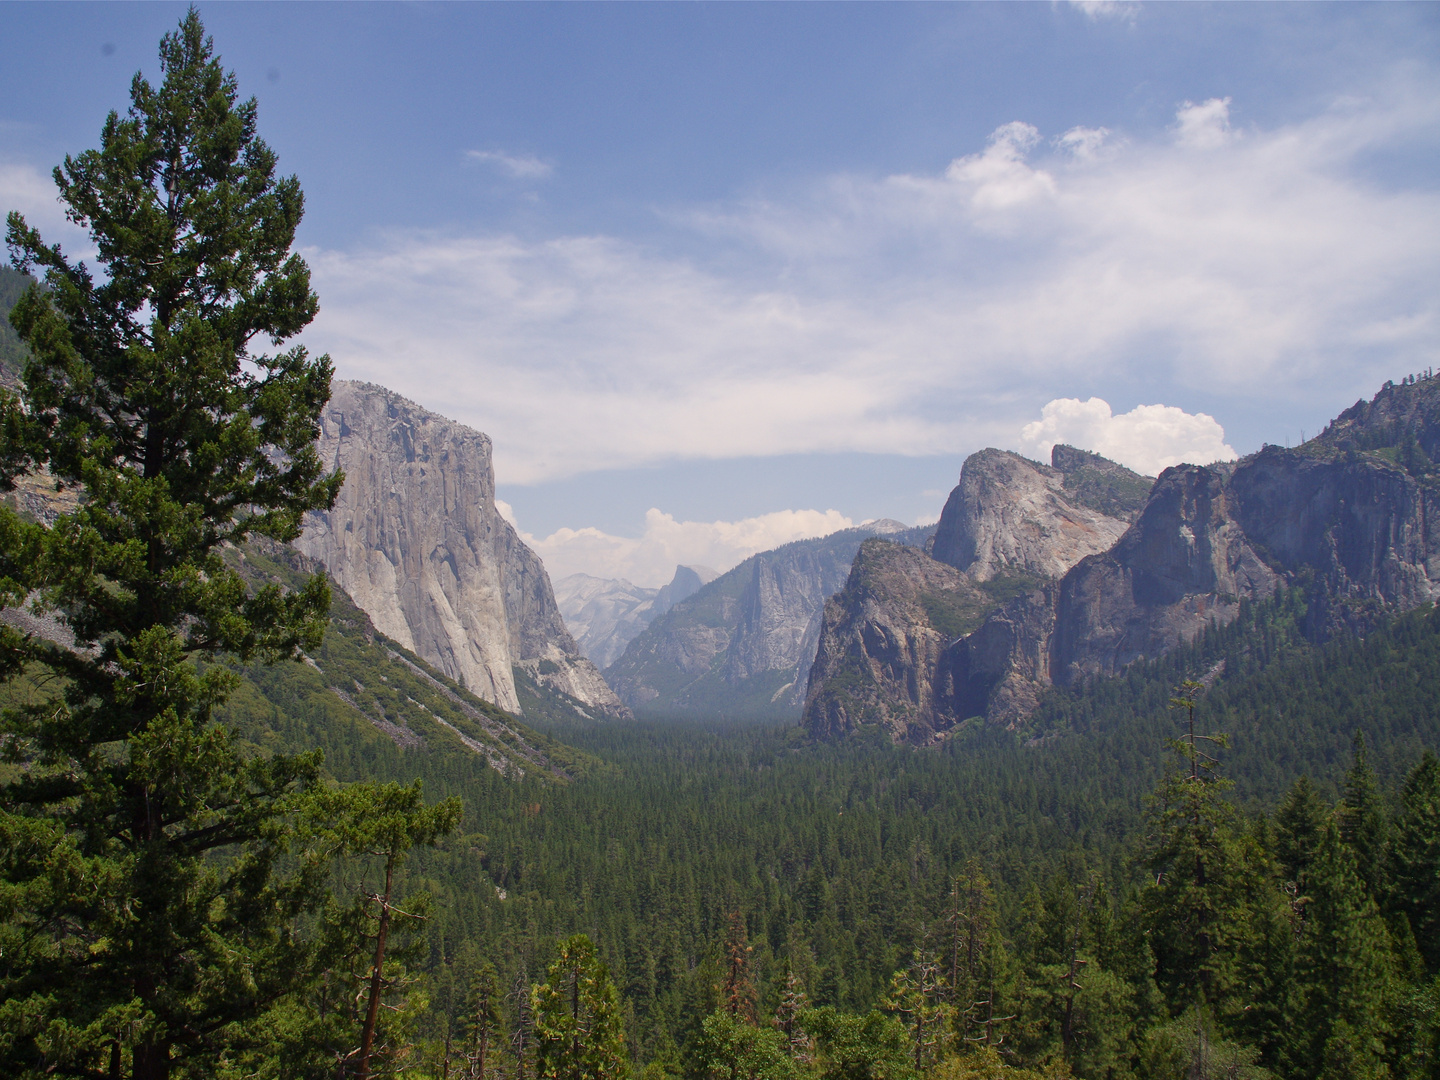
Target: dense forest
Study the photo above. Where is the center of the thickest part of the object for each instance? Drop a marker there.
(706, 861)
(244, 835)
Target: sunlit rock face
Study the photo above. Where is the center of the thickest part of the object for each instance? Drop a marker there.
(416, 540)
(1012, 515)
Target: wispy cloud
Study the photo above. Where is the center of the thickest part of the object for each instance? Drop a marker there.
(650, 559)
(922, 313)
(1108, 9)
(517, 166)
(32, 192)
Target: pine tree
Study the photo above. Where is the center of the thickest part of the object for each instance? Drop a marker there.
(1299, 827)
(1415, 845)
(578, 1027)
(1192, 912)
(1345, 973)
(786, 1020)
(143, 846)
(917, 998)
(482, 1022)
(737, 994)
(1363, 822)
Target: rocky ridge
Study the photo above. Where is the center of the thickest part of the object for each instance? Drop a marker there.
(1348, 516)
(1010, 529)
(415, 538)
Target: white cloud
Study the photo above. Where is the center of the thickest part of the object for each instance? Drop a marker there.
(1204, 126)
(518, 166)
(650, 559)
(1000, 178)
(32, 192)
(1083, 142)
(922, 314)
(1108, 9)
(1148, 439)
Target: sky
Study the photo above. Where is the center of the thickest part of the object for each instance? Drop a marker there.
(714, 277)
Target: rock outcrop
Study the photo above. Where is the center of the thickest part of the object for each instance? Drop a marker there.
(1353, 517)
(606, 614)
(743, 644)
(882, 642)
(1012, 515)
(416, 540)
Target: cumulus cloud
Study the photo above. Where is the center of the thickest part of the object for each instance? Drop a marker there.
(921, 313)
(517, 166)
(650, 559)
(1148, 438)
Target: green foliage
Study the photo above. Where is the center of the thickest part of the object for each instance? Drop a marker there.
(158, 932)
(578, 1033)
(729, 1048)
(13, 351)
(872, 1046)
(1415, 853)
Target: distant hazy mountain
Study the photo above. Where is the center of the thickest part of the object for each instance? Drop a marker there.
(743, 644)
(606, 614)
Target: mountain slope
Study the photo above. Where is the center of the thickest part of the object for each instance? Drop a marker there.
(606, 614)
(743, 644)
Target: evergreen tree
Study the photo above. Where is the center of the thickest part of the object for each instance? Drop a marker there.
(737, 994)
(148, 923)
(786, 1020)
(1345, 972)
(1299, 827)
(483, 1024)
(917, 998)
(1364, 824)
(1416, 858)
(578, 1029)
(1193, 911)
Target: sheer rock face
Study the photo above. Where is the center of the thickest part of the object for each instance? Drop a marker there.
(1010, 514)
(1353, 516)
(415, 539)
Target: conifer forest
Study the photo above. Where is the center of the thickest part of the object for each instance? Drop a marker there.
(1223, 862)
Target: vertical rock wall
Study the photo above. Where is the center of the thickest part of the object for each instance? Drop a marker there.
(416, 540)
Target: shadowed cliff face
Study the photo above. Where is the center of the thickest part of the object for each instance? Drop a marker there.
(882, 642)
(416, 540)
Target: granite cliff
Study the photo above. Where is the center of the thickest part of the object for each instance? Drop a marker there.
(606, 614)
(1011, 528)
(743, 644)
(1349, 516)
(1011, 515)
(416, 540)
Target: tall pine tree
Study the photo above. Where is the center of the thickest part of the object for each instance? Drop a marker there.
(146, 921)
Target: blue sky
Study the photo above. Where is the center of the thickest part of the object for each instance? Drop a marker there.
(713, 276)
